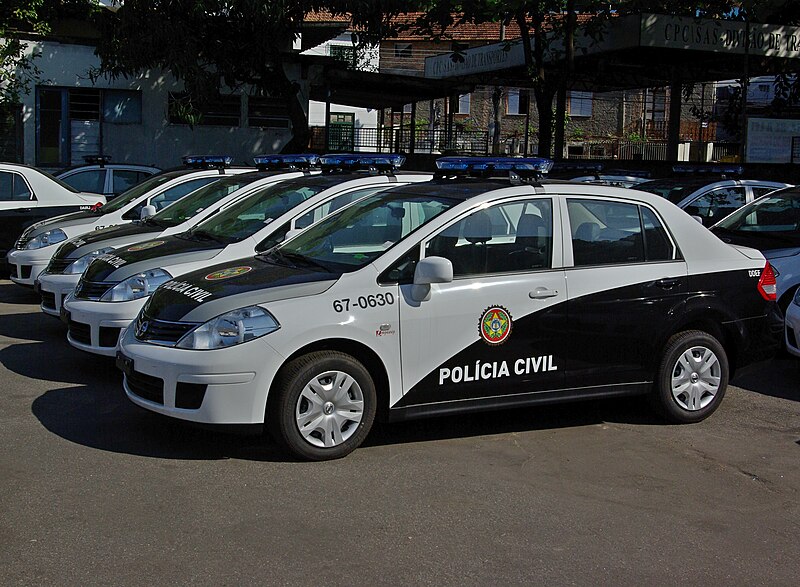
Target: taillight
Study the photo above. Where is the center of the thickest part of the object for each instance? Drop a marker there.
(767, 286)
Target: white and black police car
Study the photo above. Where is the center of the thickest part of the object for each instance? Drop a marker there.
(116, 285)
(36, 245)
(453, 296)
(74, 255)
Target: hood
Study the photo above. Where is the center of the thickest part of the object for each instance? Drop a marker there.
(124, 231)
(149, 254)
(83, 218)
(202, 295)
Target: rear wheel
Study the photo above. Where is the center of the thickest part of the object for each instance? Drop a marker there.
(324, 406)
(692, 377)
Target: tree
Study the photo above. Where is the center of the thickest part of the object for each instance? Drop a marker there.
(219, 45)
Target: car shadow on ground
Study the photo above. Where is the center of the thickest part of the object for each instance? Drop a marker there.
(34, 326)
(98, 415)
(11, 293)
(777, 378)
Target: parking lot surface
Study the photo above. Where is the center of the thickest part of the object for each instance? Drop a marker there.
(96, 490)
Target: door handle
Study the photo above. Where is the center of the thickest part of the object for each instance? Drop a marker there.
(23, 210)
(668, 282)
(541, 293)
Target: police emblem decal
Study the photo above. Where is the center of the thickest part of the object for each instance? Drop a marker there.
(145, 246)
(495, 325)
(228, 273)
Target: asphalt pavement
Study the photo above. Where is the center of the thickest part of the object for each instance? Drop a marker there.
(94, 490)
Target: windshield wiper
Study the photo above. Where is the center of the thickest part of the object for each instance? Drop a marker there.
(303, 260)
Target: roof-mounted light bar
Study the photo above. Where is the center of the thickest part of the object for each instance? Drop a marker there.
(96, 159)
(564, 166)
(485, 166)
(356, 161)
(206, 161)
(289, 161)
(712, 168)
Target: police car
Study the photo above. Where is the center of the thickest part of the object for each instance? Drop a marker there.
(28, 195)
(73, 256)
(707, 199)
(116, 285)
(100, 176)
(452, 296)
(36, 245)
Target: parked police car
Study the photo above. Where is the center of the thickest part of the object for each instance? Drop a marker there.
(35, 247)
(705, 198)
(452, 296)
(74, 256)
(28, 195)
(116, 285)
(100, 176)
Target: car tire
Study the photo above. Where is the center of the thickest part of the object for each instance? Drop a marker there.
(323, 406)
(692, 377)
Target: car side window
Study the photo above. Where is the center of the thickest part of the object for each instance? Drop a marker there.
(758, 191)
(505, 238)
(13, 188)
(717, 204)
(658, 246)
(605, 233)
(125, 178)
(174, 194)
(93, 180)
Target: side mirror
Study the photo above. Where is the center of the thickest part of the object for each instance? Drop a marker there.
(430, 270)
(433, 270)
(147, 212)
(292, 233)
(699, 219)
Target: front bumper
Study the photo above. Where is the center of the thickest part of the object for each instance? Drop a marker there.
(53, 289)
(25, 266)
(95, 327)
(224, 386)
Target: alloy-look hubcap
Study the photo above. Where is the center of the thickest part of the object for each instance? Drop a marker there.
(329, 409)
(695, 378)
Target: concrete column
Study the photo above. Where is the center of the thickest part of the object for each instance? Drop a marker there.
(674, 121)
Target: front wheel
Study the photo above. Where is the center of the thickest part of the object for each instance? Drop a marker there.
(692, 377)
(323, 407)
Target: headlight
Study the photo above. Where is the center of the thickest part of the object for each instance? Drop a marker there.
(46, 239)
(230, 329)
(797, 297)
(138, 286)
(79, 265)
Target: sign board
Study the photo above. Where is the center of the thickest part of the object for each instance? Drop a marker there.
(476, 60)
(719, 36)
(769, 140)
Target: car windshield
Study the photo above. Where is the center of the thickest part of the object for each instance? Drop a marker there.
(777, 213)
(354, 237)
(199, 200)
(674, 190)
(135, 193)
(248, 216)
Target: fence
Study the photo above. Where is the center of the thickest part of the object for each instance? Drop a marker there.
(345, 138)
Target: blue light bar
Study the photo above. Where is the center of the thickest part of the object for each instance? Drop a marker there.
(207, 160)
(96, 159)
(717, 169)
(362, 160)
(560, 166)
(477, 164)
(287, 161)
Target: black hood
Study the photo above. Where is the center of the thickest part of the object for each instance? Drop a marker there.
(209, 292)
(63, 221)
(168, 246)
(103, 237)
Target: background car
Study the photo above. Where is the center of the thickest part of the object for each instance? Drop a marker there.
(708, 198)
(100, 176)
(771, 224)
(36, 245)
(28, 195)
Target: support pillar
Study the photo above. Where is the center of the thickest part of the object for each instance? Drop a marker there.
(674, 121)
(561, 111)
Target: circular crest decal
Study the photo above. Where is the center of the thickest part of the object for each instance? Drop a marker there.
(145, 246)
(228, 273)
(495, 325)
